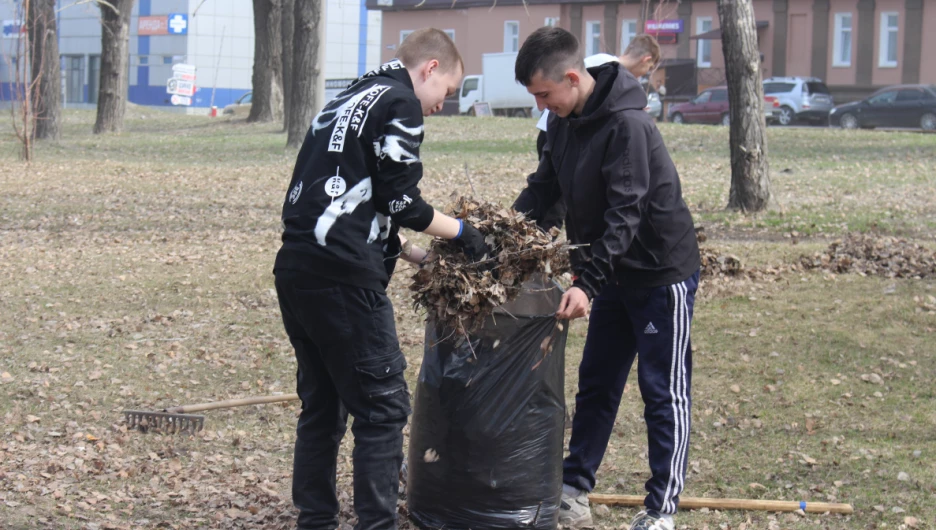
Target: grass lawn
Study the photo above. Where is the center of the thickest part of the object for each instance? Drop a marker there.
(135, 272)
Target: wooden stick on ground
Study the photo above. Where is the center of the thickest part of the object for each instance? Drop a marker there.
(694, 503)
(187, 409)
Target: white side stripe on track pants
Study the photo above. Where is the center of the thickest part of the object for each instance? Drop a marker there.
(678, 384)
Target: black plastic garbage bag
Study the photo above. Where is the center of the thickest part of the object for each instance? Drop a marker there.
(487, 429)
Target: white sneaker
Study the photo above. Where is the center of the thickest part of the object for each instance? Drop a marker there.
(652, 521)
(574, 511)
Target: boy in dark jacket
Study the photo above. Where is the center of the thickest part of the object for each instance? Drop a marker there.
(354, 184)
(605, 159)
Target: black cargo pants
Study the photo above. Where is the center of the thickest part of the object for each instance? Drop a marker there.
(349, 362)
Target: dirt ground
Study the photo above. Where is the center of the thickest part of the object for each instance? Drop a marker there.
(136, 272)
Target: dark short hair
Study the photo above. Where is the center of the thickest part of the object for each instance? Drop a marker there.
(549, 50)
(430, 43)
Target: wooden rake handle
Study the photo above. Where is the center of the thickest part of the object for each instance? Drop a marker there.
(231, 403)
(694, 503)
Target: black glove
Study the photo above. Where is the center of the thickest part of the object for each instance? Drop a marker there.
(472, 242)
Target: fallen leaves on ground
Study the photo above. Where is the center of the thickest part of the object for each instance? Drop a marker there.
(721, 271)
(875, 255)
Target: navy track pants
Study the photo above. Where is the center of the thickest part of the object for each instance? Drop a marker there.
(652, 325)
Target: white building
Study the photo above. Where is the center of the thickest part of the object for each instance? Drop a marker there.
(216, 36)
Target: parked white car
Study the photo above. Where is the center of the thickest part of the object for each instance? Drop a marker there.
(654, 105)
(801, 98)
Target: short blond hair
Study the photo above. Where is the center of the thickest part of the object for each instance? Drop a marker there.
(643, 45)
(430, 43)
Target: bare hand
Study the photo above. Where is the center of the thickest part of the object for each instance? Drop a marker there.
(574, 304)
(415, 256)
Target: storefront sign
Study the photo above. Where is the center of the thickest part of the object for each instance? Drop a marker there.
(153, 26)
(664, 26)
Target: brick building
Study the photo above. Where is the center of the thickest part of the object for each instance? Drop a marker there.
(854, 45)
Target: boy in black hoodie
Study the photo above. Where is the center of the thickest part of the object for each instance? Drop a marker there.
(605, 159)
(355, 182)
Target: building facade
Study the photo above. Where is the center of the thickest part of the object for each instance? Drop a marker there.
(215, 36)
(855, 46)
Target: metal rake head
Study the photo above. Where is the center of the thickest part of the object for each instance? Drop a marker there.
(164, 422)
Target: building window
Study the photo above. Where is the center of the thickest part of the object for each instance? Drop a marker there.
(628, 32)
(450, 33)
(842, 45)
(593, 39)
(704, 46)
(551, 22)
(167, 59)
(404, 33)
(887, 54)
(74, 78)
(511, 36)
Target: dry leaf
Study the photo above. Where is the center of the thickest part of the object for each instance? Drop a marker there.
(462, 295)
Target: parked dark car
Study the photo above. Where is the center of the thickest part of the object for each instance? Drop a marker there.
(895, 106)
(711, 106)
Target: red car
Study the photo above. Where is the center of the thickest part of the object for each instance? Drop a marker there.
(711, 106)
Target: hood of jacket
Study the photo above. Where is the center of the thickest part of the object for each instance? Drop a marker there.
(615, 90)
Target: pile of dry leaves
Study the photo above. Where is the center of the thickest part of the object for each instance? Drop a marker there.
(887, 256)
(723, 273)
(460, 294)
(716, 264)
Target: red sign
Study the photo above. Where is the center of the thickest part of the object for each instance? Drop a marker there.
(153, 26)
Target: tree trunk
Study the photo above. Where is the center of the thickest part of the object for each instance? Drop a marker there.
(308, 92)
(45, 69)
(289, 29)
(115, 61)
(267, 101)
(750, 177)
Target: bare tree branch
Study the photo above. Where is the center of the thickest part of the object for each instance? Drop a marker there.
(197, 8)
(82, 2)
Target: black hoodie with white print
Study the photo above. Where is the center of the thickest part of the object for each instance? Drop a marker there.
(355, 183)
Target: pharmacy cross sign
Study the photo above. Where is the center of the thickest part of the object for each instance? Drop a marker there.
(178, 23)
(12, 29)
